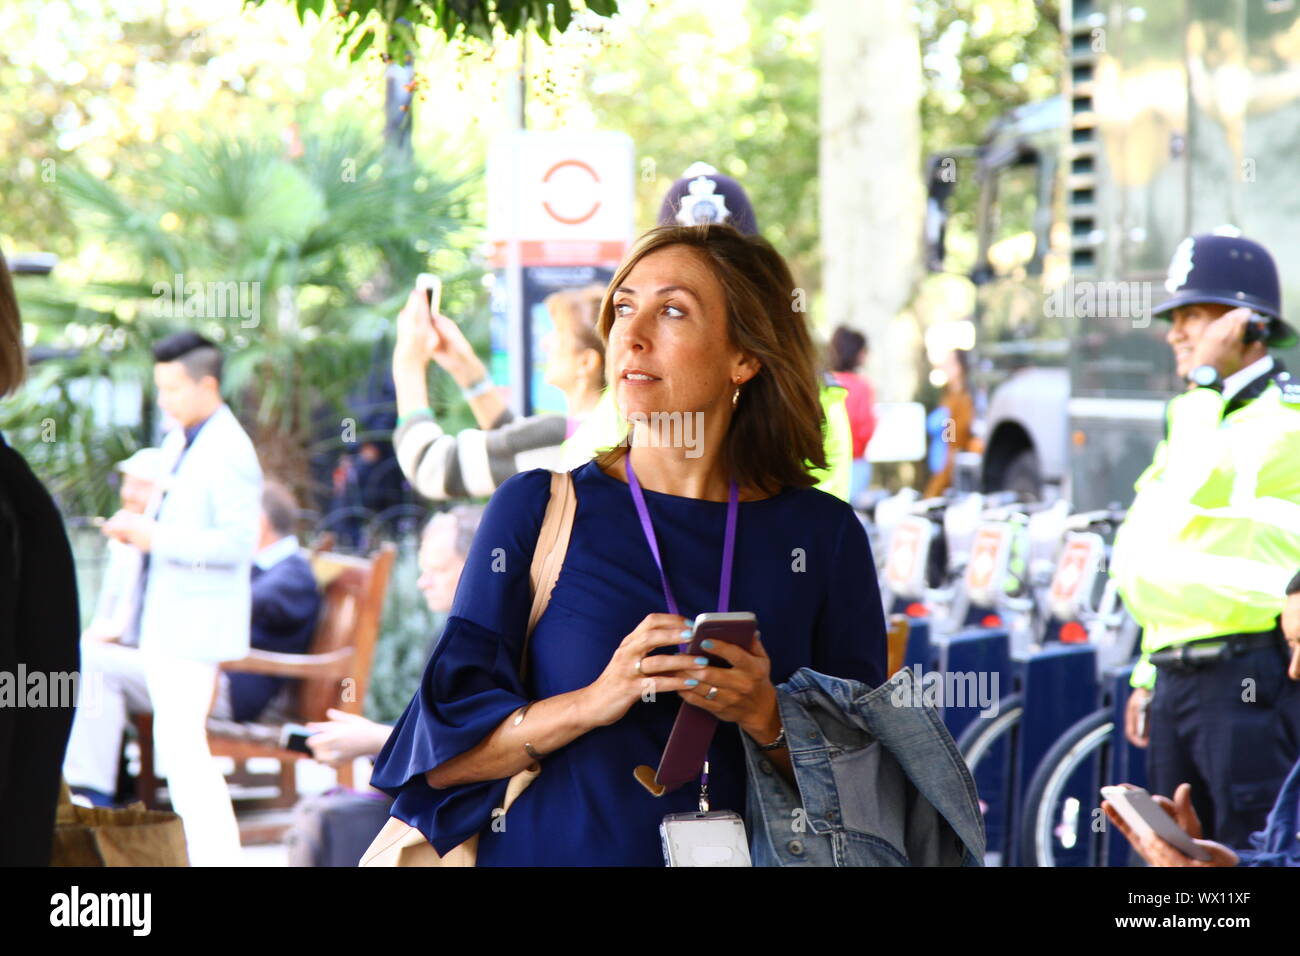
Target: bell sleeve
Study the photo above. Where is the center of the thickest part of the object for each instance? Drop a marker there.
(849, 637)
(472, 681)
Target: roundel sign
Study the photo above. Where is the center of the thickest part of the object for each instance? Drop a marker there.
(571, 192)
(561, 187)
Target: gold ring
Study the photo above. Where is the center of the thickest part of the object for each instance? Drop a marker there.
(713, 692)
(637, 665)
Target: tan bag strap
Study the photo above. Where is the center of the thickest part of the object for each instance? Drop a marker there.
(548, 556)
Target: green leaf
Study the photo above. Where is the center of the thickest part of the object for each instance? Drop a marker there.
(363, 44)
(563, 14)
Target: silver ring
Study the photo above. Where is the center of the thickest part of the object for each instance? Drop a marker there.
(713, 692)
(637, 665)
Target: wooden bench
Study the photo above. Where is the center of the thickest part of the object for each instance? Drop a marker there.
(334, 673)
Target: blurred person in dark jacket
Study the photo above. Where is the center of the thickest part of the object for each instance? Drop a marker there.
(286, 605)
(1278, 844)
(365, 479)
(39, 631)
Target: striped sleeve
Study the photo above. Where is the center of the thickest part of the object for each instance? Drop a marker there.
(472, 463)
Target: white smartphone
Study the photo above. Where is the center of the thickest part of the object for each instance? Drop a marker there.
(1145, 816)
(432, 285)
(716, 838)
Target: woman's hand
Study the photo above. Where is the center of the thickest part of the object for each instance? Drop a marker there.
(417, 339)
(621, 684)
(746, 695)
(423, 337)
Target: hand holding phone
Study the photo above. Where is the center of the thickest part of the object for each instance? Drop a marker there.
(688, 742)
(294, 737)
(734, 627)
(1256, 328)
(432, 286)
(1144, 816)
(448, 345)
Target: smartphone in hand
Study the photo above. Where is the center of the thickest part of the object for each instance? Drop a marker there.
(1145, 816)
(432, 286)
(688, 742)
(734, 627)
(1256, 328)
(294, 737)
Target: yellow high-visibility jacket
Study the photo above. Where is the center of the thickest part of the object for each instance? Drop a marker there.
(1213, 536)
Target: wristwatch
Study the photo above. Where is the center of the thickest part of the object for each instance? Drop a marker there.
(1206, 376)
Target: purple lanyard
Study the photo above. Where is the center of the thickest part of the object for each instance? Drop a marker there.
(724, 585)
(728, 545)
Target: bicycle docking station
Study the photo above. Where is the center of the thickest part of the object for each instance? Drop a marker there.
(1021, 642)
(1045, 692)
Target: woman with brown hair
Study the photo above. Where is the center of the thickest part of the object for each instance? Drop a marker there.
(698, 330)
(39, 629)
(473, 462)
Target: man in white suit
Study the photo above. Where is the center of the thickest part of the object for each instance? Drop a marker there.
(198, 538)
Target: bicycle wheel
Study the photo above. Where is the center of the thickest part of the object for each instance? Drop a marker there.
(979, 737)
(1067, 780)
(988, 747)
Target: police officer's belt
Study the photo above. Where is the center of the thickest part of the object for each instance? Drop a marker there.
(1195, 654)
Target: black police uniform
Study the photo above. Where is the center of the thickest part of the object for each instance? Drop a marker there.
(1235, 753)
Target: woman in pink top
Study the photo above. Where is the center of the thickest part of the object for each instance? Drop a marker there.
(848, 353)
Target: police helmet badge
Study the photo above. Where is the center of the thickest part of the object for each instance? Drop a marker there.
(1180, 266)
(702, 204)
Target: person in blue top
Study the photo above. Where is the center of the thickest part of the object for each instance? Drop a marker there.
(1278, 844)
(697, 324)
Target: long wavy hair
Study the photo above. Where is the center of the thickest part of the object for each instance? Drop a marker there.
(775, 437)
(13, 359)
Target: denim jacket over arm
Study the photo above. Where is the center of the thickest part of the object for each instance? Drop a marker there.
(879, 783)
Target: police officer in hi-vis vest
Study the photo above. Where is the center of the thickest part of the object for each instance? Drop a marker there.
(1211, 542)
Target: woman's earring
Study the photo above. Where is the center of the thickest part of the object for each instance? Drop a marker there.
(735, 397)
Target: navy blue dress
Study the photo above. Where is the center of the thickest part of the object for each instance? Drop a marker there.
(802, 565)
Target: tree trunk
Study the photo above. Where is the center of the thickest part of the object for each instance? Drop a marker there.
(872, 200)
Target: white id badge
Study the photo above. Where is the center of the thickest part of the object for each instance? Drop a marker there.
(714, 838)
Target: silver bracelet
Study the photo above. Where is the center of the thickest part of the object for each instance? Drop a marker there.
(481, 387)
(776, 744)
(519, 719)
